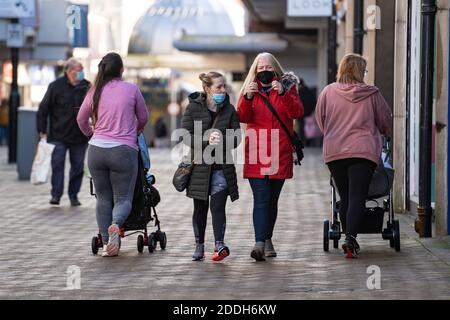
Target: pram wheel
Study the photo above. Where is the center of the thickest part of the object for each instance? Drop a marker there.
(140, 243)
(396, 234)
(335, 234)
(336, 243)
(94, 245)
(390, 231)
(151, 242)
(162, 240)
(326, 238)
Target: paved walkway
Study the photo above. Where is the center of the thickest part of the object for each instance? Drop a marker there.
(39, 244)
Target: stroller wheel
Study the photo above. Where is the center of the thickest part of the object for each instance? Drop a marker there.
(94, 245)
(162, 240)
(151, 243)
(336, 234)
(388, 234)
(391, 239)
(396, 234)
(336, 244)
(326, 238)
(140, 243)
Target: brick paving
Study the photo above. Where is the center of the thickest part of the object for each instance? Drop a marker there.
(39, 243)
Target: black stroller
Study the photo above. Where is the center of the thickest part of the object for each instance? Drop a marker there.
(380, 190)
(145, 199)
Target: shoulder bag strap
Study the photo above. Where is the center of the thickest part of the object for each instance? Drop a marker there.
(275, 113)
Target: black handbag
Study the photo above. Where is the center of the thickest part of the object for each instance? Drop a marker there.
(382, 181)
(155, 197)
(183, 174)
(294, 138)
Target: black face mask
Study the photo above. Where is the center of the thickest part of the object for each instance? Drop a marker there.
(265, 77)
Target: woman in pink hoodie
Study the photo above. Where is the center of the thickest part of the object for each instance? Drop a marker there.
(118, 112)
(352, 116)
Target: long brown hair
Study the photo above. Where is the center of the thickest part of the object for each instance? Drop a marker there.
(109, 68)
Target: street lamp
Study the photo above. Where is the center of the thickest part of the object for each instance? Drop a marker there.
(14, 100)
(13, 10)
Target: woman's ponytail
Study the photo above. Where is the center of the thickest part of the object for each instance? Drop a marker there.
(109, 68)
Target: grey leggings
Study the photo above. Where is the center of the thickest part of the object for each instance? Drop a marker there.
(114, 172)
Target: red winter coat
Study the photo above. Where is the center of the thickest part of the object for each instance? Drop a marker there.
(261, 161)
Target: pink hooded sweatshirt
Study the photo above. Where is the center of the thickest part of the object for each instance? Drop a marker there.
(352, 118)
(122, 113)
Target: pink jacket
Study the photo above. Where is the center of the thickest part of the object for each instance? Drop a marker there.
(352, 118)
(121, 113)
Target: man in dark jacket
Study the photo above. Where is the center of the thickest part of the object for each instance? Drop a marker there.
(61, 104)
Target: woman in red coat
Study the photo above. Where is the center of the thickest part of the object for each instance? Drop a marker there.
(268, 150)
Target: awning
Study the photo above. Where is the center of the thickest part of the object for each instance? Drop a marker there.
(250, 43)
(267, 10)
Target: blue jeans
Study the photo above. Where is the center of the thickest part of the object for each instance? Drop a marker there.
(266, 193)
(77, 153)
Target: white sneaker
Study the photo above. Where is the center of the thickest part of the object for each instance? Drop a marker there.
(106, 254)
(113, 246)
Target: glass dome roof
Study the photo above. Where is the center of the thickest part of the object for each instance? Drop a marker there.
(168, 20)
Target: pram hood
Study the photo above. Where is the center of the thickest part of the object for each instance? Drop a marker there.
(354, 92)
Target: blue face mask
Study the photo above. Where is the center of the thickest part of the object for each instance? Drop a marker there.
(80, 76)
(219, 97)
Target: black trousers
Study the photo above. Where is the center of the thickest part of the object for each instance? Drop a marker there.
(352, 177)
(77, 154)
(201, 208)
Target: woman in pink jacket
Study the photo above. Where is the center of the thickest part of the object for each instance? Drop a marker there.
(352, 116)
(118, 113)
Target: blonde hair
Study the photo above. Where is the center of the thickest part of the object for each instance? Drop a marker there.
(207, 79)
(351, 69)
(254, 69)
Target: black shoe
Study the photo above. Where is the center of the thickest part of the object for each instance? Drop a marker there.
(75, 202)
(54, 201)
(351, 247)
(258, 252)
(199, 253)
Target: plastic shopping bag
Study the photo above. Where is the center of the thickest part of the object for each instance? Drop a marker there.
(87, 172)
(42, 162)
